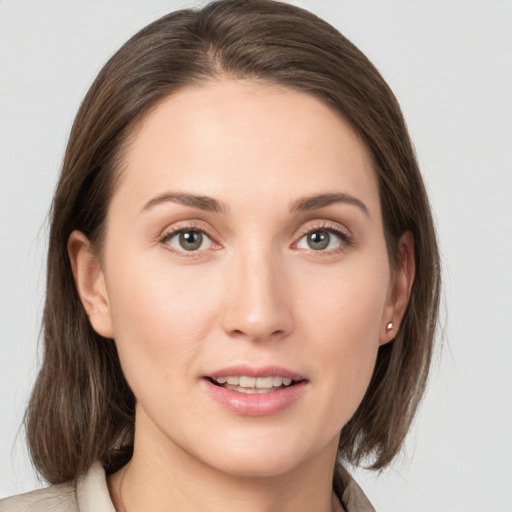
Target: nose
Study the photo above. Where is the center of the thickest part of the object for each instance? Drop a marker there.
(259, 303)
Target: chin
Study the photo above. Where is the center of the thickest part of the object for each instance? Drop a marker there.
(258, 466)
(258, 459)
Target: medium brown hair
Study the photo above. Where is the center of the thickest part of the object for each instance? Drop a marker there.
(81, 407)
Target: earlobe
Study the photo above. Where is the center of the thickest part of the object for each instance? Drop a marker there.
(400, 290)
(90, 283)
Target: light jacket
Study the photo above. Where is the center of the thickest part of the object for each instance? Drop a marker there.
(90, 494)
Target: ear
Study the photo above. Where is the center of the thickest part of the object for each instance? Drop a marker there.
(90, 283)
(400, 289)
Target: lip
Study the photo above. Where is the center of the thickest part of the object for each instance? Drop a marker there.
(250, 371)
(258, 404)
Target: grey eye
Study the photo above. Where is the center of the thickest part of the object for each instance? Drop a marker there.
(321, 240)
(318, 240)
(188, 240)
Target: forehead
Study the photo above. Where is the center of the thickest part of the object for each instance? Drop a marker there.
(245, 138)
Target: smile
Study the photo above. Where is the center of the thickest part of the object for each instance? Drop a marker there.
(250, 391)
(246, 384)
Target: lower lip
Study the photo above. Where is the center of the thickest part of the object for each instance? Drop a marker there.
(257, 404)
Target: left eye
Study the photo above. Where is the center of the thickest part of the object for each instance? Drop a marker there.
(320, 240)
(188, 240)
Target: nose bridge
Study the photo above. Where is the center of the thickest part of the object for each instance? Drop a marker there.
(257, 305)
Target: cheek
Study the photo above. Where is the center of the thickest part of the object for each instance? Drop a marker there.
(347, 302)
(343, 316)
(160, 315)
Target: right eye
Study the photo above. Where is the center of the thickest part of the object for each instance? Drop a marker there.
(188, 240)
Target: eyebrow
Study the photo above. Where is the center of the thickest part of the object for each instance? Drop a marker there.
(205, 203)
(209, 204)
(314, 202)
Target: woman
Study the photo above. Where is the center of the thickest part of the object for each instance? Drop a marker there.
(243, 276)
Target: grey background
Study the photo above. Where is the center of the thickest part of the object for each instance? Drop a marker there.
(450, 65)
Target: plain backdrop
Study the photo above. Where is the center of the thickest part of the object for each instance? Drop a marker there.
(450, 65)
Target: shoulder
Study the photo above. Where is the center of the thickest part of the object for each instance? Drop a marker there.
(52, 499)
(353, 498)
(89, 494)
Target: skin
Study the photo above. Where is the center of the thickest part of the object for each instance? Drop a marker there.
(255, 293)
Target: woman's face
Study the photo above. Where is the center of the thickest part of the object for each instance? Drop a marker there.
(244, 250)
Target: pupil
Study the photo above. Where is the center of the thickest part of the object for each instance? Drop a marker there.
(318, 240)
(191, 240)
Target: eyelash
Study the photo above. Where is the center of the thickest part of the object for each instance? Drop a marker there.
(190, 227)
(346, 239)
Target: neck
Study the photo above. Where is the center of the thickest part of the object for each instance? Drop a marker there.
(173, 480)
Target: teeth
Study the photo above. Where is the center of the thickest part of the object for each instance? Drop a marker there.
(264, 382)
(251, 391)
(246, 383)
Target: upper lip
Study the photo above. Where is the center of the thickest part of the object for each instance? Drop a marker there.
(252, 371)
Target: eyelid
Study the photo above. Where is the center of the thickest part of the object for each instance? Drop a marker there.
(197, 225)
(324, 225)
(187, 225)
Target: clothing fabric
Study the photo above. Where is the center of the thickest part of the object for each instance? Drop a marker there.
(90, 494)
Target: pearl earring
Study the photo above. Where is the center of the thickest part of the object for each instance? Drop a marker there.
(389, 326)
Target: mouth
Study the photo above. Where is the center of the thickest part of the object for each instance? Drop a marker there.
(254, 385)
(249, 391)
